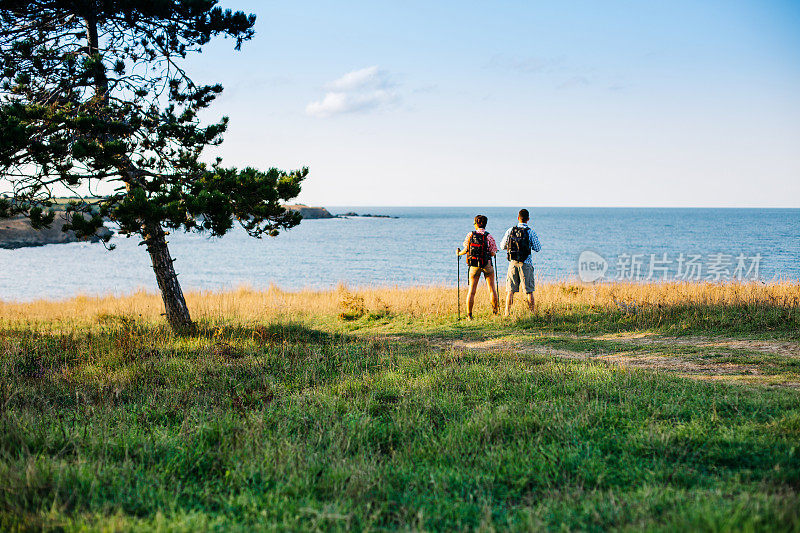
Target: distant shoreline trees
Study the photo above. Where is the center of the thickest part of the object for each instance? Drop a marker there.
(91, 92)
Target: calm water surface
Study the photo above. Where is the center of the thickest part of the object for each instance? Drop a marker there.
(418, 248)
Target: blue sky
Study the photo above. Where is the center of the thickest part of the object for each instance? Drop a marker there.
(595, 103)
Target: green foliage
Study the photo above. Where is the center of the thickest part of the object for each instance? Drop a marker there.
(93, 93)
(129, 426)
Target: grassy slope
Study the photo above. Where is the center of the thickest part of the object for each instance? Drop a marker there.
(323, 424)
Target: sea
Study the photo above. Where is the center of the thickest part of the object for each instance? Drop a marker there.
(417, 246)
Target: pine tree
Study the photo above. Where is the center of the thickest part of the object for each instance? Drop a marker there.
(93, 96)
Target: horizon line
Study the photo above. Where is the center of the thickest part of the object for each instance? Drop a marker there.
(554, 206)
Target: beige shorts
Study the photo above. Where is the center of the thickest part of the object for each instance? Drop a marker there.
(487, 270)
(519, 271)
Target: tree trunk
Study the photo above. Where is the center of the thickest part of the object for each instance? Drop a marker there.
(154, 237)
(93, 48)
(174, 302)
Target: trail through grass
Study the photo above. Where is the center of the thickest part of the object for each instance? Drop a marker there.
(762, 362)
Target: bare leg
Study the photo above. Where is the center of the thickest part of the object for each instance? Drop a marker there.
(493, 291)
(531, 302)
(474, 278)
(509, 301)
(509, 292)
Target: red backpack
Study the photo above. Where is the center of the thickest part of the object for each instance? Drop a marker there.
(478, 252)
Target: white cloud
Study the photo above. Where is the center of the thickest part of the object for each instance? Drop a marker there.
(365, 78)
(336, 103)
(357, 91)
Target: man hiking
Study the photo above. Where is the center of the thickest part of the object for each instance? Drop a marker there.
(519, 241)
(480, 248)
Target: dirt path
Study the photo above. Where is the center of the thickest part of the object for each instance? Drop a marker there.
(786, 348)
(640, 354)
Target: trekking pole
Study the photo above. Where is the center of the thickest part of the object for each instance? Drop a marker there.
(496, 283)
(458, 283)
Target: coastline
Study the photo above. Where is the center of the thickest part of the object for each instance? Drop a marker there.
(17, 233)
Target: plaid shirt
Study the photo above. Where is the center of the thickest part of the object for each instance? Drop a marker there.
(489, 240)
(532, 238)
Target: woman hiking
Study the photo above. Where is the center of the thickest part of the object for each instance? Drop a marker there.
(480, 248)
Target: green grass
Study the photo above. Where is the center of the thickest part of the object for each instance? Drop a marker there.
(305, 426)
(756, 320)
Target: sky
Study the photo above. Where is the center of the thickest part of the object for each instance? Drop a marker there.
(571, 103)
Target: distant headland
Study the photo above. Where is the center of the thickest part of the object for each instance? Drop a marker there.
(365, 215)
(17, 232)
(309, 212)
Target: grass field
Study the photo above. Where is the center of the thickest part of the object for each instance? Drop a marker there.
(626, 407)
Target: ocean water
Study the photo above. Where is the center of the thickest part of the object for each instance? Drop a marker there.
(418, 248)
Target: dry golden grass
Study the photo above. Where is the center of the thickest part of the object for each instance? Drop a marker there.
(249, 304)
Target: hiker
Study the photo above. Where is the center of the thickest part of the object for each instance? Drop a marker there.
(519, 241)
(480, 248)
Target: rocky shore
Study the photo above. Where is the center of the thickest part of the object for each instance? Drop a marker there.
(363, 215)
(320, 212)
(310, 212)
(17, 233)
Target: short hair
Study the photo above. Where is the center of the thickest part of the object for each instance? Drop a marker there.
(523, 215)
(481, 220)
